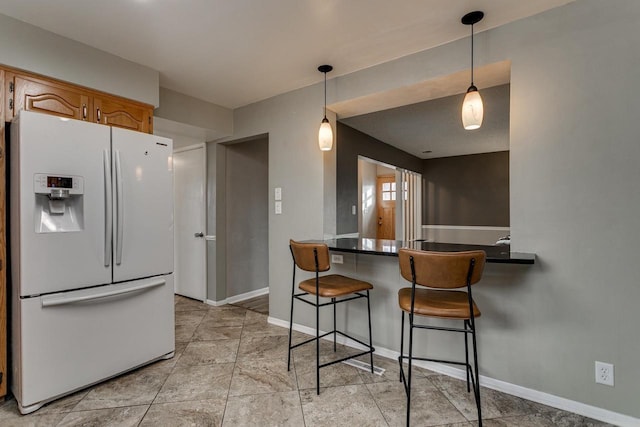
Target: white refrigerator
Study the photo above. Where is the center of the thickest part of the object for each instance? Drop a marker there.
(91, 217)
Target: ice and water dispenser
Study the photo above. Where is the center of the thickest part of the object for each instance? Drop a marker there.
(59, 204)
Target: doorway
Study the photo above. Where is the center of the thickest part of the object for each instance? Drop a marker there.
(190, 271)
(243, 219)
(386, 192)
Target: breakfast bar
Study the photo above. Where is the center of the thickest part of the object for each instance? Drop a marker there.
(376, 261)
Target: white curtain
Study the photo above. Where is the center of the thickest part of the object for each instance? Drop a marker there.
(412, 205)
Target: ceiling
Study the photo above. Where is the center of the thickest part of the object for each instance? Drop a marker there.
(235, 52)
(434, 129)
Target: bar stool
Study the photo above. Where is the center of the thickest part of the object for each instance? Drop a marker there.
(314, 257)
(441, 272)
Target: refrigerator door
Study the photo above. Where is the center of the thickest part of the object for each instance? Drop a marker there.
(60, 204)
(67, 341)
(143, 205)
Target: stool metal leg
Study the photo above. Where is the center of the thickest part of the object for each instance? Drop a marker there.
(466, 355)
(370, 338)
(401, 345)
(293, 291)
(333, 300)
(409, 370)
(476, 374)
(318, 344)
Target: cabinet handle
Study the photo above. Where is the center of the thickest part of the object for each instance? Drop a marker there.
(84, 111)
(99, 115)
(10, 103)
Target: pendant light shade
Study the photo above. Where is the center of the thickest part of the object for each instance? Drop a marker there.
(325, 134)
(472, 108)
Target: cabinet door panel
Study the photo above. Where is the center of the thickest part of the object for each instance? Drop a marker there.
(109, 111)
(50, 98)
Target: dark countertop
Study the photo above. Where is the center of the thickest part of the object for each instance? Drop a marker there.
(495, 254)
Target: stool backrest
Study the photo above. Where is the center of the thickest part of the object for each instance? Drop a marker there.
(442, 269)
(304, 256)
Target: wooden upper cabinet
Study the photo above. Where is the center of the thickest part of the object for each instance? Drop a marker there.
(32, 92)
(113, 112)
(49, 97)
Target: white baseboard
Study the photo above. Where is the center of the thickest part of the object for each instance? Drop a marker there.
(241, 297)
(492, 383)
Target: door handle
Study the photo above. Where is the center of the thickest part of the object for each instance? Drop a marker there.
(200, 234)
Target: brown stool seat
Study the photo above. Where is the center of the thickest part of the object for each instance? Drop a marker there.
(334, 285)
(443, 304)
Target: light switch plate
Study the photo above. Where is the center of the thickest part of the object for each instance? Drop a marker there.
(337, 259)
(353, 209)
(278, 208)
(278, 193)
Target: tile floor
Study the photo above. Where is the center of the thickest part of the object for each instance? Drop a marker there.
(230, 369)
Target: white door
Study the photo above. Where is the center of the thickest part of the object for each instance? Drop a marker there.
(59, 250)
(190, 246)
(142, 205)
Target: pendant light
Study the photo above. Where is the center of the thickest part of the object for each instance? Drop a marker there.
(472, 108)
(325, 134)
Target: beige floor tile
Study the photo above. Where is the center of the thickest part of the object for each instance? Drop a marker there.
(226, 316)
(391, 370)
(258, 329)
(262, 376)
(190, 317)
(196, 383)
(208, 330)
(252, 317)
(205, 413)
(268, 347)
(121, 417)
(493, 403)
(429, 406)
(139, 387)
(185, 332)
(274, 409)
(330, 376)
(64, 404)
(188, 304)
(348, 406)
(208, 352)
(11, 417)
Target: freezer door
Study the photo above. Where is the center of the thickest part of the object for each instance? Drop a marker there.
(64, 244)
(67, 341)
(143, 205)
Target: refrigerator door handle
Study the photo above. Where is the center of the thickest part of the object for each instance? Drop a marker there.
(120, 212)
(108, 209)
(54, 300)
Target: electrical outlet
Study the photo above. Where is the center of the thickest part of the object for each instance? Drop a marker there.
(336, 259)
(604, 373)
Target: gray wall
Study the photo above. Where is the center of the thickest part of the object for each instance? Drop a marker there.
(466, 190)
(195, 112)
(30, 48)
(574, 194)
(350, 144)
(247, 204)
(214, 201)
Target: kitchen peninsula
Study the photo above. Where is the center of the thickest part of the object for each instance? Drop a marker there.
(376, 261)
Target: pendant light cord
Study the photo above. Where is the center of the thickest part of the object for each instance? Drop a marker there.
(325, 95)
(471, 56)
